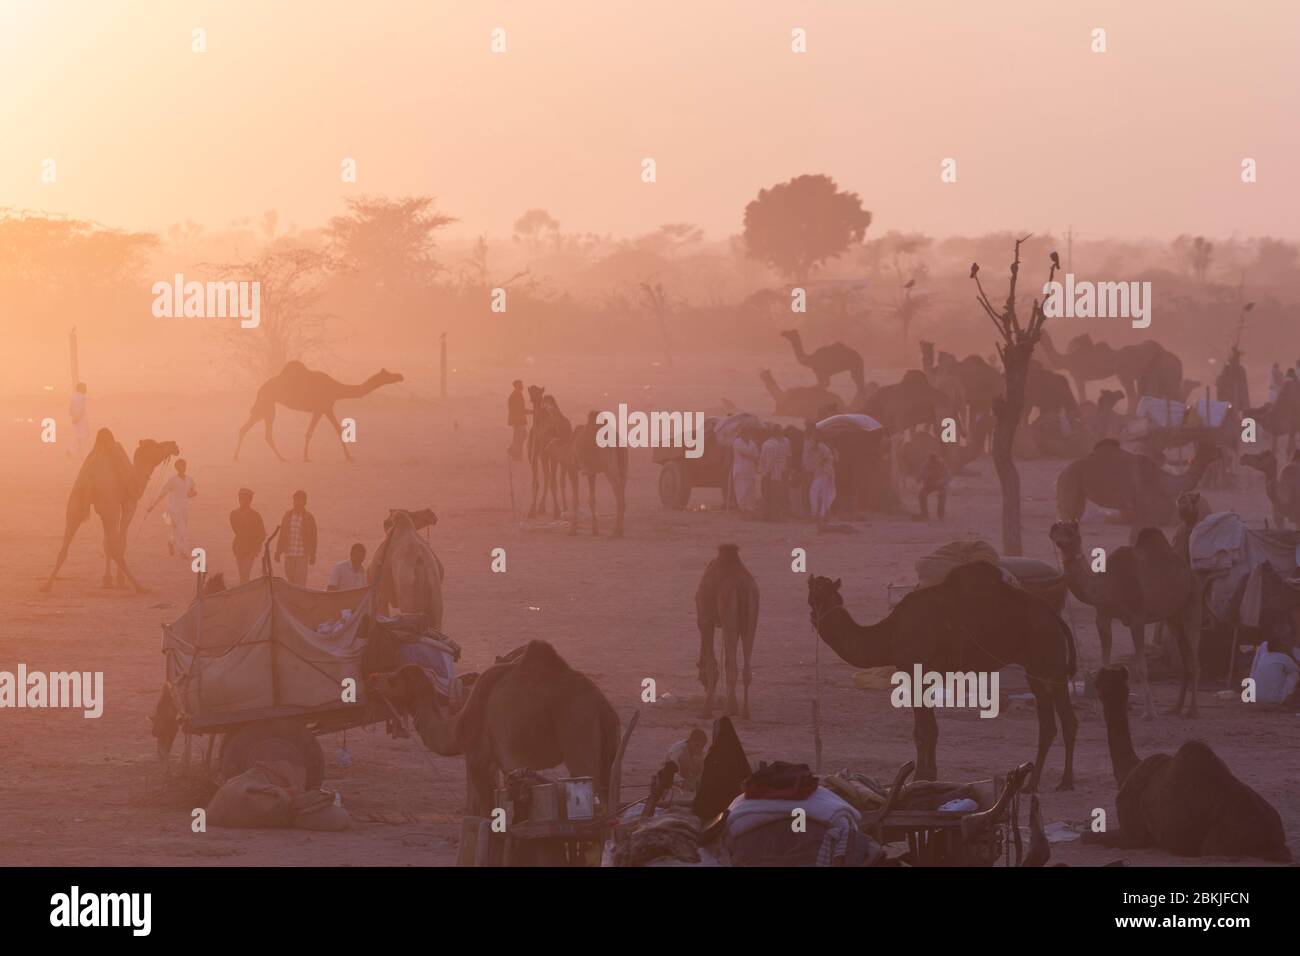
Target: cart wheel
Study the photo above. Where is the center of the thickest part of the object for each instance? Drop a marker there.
(674, 488)
(277, 740)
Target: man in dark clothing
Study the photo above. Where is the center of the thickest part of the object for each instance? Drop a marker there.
(517, 418)
(297, 540)
(934, 480)
(250, 532)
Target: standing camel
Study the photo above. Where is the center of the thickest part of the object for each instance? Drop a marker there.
(972, 621)
(112, 485)
(827, 360)
(726, 598)
(536, 397)
(1135, 485)
(593, 459)
(306, 390)
(1280, 417)
(1143, 584)
(554, 434)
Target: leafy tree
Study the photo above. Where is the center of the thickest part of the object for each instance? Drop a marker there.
(389, 242)
(535, 227)
(797, 225)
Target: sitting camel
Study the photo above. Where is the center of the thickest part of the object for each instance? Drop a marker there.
(1189, 804)
(972, 621)
(306, 390)
(1140, 585)
(531, 711)
(594, 459)
(727, 598)
(1283, 490)
(111, 484)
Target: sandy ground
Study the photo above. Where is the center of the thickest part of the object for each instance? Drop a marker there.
(86, 792)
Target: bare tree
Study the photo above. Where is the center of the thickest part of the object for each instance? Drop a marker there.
(291, 327)
(1016, 349)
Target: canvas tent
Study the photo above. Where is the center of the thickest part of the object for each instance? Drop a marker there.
(259, 648)
(1226, 552)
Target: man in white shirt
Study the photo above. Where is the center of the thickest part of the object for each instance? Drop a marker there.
(178, 490)
(349, 574)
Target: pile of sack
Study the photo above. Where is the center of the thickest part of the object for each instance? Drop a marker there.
(271, 794)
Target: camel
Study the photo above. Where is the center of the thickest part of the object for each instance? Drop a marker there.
(806, 402)
(536, 443)
(111, 484)
(306, 390)
(827, 360)
(727, 598)
(912, 454)
(552, 432)
(592, 459)
(1148, 362)
(1143, 584)
(411, 573)
(1283, 490)
(1280, 417)
(1049, 392)
(981, 382)
(1135, 485)
(972, 621)
(531, 710)
(947, 380)
(909, 403)
(1189, 804)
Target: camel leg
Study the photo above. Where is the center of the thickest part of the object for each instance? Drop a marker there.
(311, 429)
(926, 733)
(1046, 730)
(270, 438)
(708, 666)
(338, 429)
(730, 638)
(110, 550)
(573, 515)
(535, 465)
(553, 475)
(253, 419)
(1188, 631)
(591, 499)
(620, 505)
(1140, 657)
(1104, 635)
(748, 640)
(1069, 731)
(479, 785)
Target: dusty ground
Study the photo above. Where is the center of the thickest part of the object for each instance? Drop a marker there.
(79, 791)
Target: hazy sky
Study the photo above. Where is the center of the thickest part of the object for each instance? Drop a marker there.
(1145, 139)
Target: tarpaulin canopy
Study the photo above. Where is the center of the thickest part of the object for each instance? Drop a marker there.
(1225, 550)
(257, 647)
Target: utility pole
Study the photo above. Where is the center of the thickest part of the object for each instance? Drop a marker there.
(1069, 249)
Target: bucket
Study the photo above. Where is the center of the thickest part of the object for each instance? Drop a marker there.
(579, 798)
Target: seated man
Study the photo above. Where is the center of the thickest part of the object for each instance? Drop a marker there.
(688, 754)
(351, 573)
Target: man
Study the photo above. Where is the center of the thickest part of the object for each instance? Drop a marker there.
(773, 459)
(744, 471)
(934, 481)
(178, 489)
(80, 416)
(250, 532)
(688, 754)
(819, 462)
(297, 540)
(351, 573)
(517, 418)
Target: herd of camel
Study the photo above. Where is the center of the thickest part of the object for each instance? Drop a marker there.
(973, 620)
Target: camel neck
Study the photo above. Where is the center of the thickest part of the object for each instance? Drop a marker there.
(1078, 576)
(1119, 740)
(356, 391)
(857, 644)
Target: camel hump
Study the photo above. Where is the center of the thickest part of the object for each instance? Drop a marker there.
(293, 367)
(1106, 446)
(541, 655)
(1151, 542)
(728, 554)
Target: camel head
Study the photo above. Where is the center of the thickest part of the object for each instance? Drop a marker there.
(423, 518)
(1264, 462)
(1189, 507)
(1065, 535)
(535, 393)
(153, 453)
(1078, 344)
(791, 334)
(823, 595)
(385, 377)
(1112, 684)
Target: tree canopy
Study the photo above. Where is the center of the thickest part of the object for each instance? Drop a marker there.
(797, 225)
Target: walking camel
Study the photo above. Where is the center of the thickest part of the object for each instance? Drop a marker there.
(1135, 485)
(1140, 585)
(827, 360)
(804, 401)
(727, 598)
(112, 485)
(306, 390)
(972, 621)
(1190, 804)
